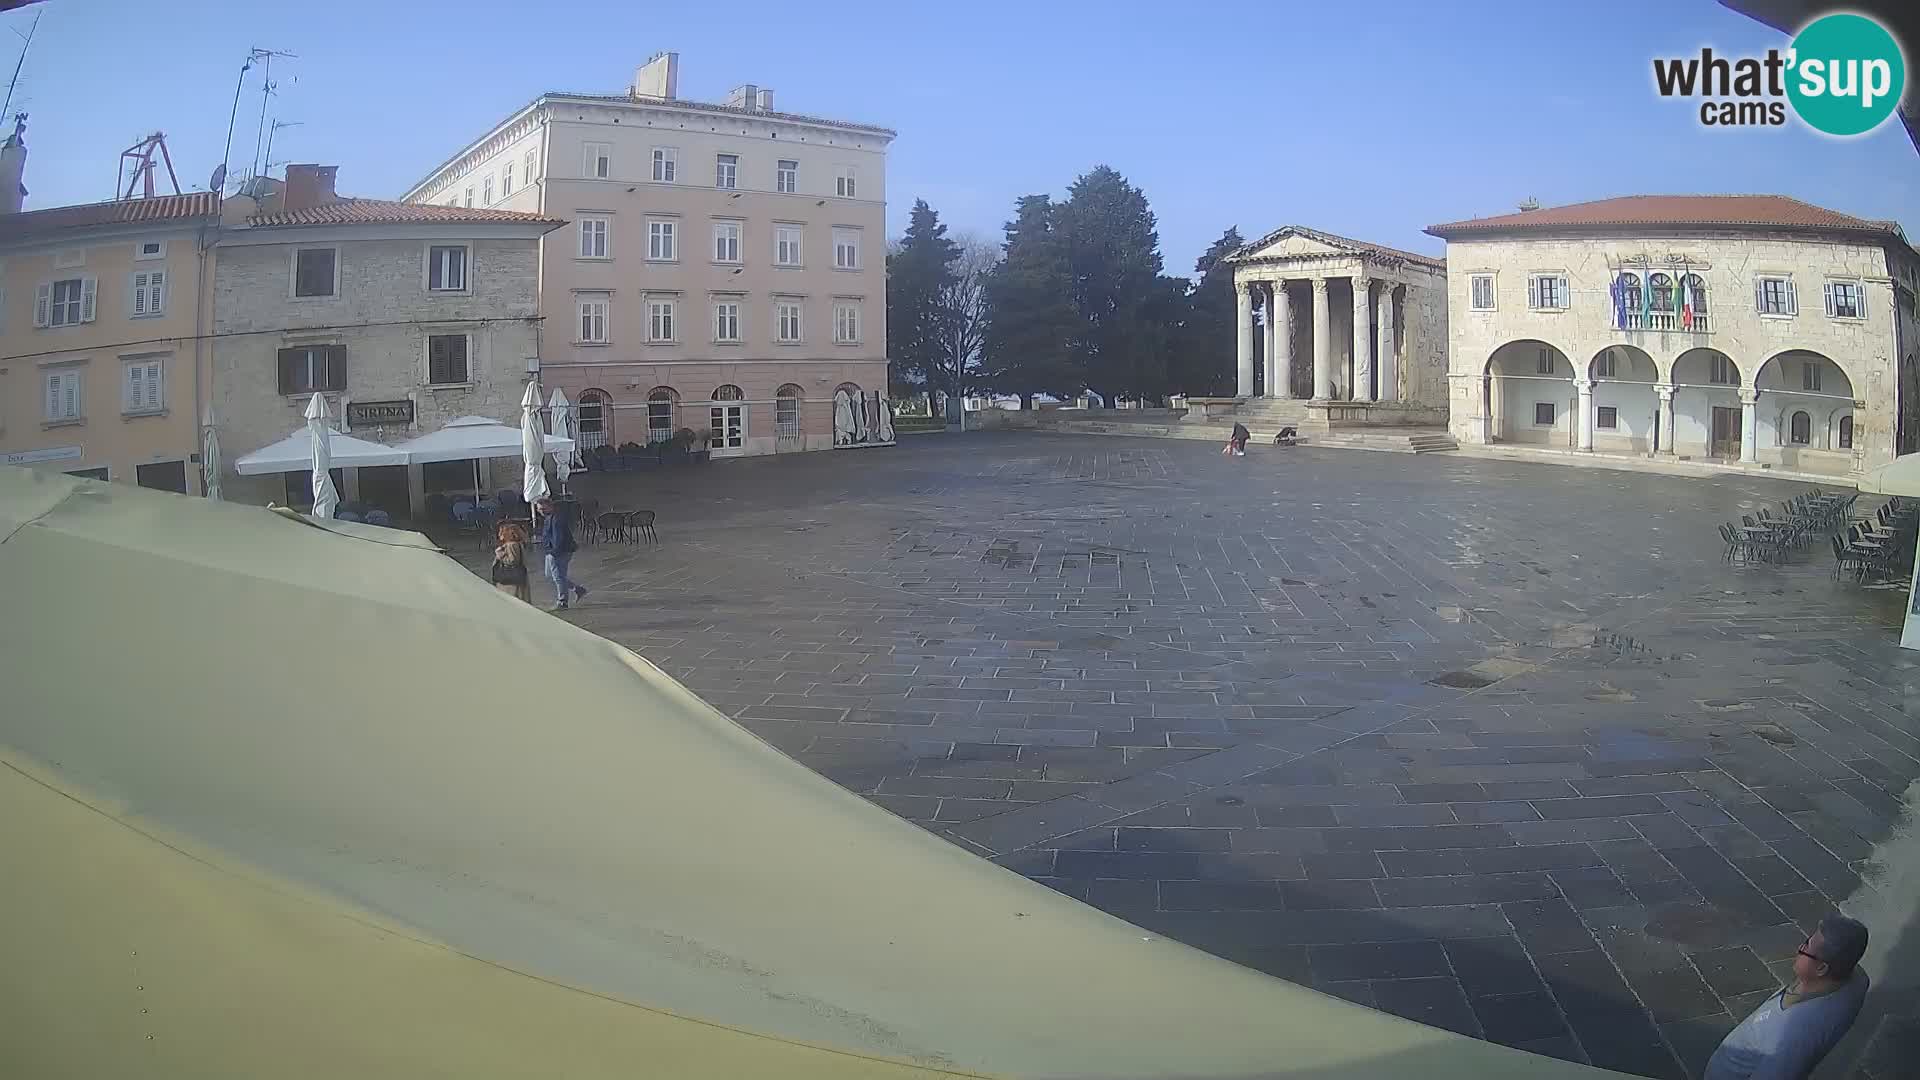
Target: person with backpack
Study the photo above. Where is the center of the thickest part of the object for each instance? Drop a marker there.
(556, 534)
(510, 563)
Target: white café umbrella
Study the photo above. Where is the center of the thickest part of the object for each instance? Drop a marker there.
(325, 499)
(295, 453)
(210, 460)
(1901, 476)
(533, 450)
(473, 438)
(561, 410)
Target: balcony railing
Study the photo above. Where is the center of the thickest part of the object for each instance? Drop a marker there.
(1666, 322)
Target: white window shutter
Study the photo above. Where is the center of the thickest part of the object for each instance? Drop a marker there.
(1566, 294)
(135, 393)
(1827, 289)
(139, 292)
(153, 385)
(1533, 292)
(156, 291)
(1759, 295)
(41, 302)
(1793, 302)
(1860, 301)
(53, 396)
(87, 291)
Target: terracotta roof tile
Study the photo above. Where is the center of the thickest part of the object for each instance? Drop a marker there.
(1677, 211)
(196, 204)
(388, 212)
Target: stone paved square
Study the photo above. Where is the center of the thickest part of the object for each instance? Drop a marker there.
(1501, 747)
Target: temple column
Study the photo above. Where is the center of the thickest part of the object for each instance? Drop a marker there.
(1266, 340)
(1243, 308)
(1281, 384)
(1362, 339)
(1388, 358)
(1322, 342)
(1665, 394)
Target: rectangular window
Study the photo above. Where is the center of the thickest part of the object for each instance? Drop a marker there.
(1606, 418)
(486, 192)
(1720, 372)
(312, 369)
(726, 241)
(1482, 287)
(659, 320)
(447, 359)
(63, 396)
(528, 163)
(786, 416)
(593, 321)
(846, 323)
(726, 321)
(447, 268)
(1543, 412)
(469, 198)
(666, 164)
(593, 237)
(1810, 376)
(149, 293)
(786, 316)
(1845, 300)
(1603, 367)
(1543, 363)
(659, 418)
(1774, 296)
(846, 249)
(786, 176)
(660, 241)
(597, 163)
(786, 245)
(726, 171)
(142, 387)
(67, 302)
(1547, 292)
(314, 271)
(506, 180)
(150, 249)
(845, 182)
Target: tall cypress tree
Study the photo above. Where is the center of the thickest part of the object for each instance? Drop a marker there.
(1030, 315)
(919, 272)
(1121, 345)
(1203, 364)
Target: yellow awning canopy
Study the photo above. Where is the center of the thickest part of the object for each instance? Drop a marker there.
(290, 801)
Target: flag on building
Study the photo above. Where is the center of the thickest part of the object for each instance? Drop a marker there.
(1646, 300)
(1619, 293)
(1685, 303)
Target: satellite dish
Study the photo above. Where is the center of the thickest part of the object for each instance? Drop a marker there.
(219, 180)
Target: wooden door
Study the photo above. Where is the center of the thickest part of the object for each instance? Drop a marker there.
(1725, 441)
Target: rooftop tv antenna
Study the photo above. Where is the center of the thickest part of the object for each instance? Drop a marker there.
(267, 163)
(17, 64)
(141, 154)
(254, 56)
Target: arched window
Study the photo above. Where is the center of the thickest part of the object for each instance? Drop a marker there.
(1630, 300)
(660, 402)
(1846, 432)
(786, 412)
(1697, 294)
(1801, 429)
(1662, 287)
(728, 392)
(727, 423)
(593, 420)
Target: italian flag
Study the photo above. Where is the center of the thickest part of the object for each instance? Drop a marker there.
(1683, 300)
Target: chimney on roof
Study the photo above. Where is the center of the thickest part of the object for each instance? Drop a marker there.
(659, 77)
(745, 98)
(309, 186)
(1529, 204)
(765, 104)
(13, 166)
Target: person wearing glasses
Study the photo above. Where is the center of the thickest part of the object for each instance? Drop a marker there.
(1793, 1029)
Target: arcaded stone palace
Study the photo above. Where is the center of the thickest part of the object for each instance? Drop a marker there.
(723, 268)
(1346, 331)
(1749, 330)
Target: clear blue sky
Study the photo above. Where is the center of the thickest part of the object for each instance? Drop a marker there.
(1367, 119)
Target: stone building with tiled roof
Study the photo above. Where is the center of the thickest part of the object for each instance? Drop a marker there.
(1751, 331)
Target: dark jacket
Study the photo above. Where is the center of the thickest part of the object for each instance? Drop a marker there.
(1241, 434)
(556, 532)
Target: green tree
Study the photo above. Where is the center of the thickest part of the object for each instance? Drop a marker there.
(1026, 348)
(1203, 360)
(919, 275)
(1124, 336)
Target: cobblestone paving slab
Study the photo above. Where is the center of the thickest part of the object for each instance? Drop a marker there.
(1503, 748)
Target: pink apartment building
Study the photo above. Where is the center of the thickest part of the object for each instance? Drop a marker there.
(723, 268)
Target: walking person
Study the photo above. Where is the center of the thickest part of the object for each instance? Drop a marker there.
(556, 534)
(1793, 1029)
(510, 563)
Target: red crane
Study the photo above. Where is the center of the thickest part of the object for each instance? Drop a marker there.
(140, 154)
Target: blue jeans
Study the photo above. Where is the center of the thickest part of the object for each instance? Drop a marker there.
(557, 573)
